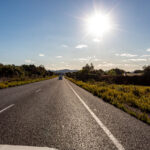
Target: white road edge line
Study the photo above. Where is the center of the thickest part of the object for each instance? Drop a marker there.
(106, 130)
(6, 108)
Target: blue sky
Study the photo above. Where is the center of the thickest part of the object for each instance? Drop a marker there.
(52, 33)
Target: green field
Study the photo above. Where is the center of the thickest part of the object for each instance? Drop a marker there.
(18, 82)
(134, 100)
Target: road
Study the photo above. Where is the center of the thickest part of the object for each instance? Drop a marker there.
(59, 114)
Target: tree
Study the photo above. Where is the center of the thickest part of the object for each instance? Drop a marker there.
(12, 71)
(146, 70)
(88, 68)
(115, 72)
(138, 71)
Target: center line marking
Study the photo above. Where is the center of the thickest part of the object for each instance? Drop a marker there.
(105, 129)
(6, 108)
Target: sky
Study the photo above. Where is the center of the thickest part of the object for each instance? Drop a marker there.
(54, 33)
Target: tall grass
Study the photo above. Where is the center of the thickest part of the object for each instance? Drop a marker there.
(134, 100)
(13, 83)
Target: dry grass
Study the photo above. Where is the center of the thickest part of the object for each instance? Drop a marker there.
(134, 100)
(13, 83)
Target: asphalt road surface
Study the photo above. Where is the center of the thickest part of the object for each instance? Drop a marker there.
(59, 114)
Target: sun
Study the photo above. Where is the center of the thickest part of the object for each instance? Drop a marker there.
(98, 24)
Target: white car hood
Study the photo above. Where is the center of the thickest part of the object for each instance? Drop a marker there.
(18, 147)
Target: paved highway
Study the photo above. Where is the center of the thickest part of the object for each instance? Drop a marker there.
(58, 114)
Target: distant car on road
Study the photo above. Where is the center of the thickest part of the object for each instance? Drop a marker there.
(60, 77)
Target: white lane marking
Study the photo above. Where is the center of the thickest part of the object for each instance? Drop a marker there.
(106, 130)
(38, 90)
(6, 108)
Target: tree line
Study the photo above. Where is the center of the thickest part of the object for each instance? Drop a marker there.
(116, 75)
(23, 71)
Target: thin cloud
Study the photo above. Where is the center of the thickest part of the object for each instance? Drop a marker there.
(83, 59)
(108, 65)
(58, 56)
(126, 55)
(67, 65)
(41, 55)
(105, 64)
(96, 59)
(64, 45)
(87, 59)
(148, 50)
(29, 61)
(96, 40)
(145, 56)
(81, 46)
(138, 60)
(6, 62)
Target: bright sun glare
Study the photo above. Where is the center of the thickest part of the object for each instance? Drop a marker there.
(98, 24)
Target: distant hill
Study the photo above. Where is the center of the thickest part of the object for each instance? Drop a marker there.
(63, 71)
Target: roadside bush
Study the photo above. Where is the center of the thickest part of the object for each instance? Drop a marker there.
(132, 99)
(17, 83)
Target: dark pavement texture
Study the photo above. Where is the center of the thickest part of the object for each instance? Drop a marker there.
(48, 113)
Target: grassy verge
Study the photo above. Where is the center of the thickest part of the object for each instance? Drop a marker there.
(134, 100)
(7, 84)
